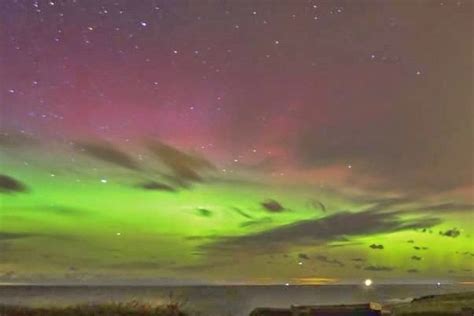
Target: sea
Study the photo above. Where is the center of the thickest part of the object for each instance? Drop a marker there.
(222, 300)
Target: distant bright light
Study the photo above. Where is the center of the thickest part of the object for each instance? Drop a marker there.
(103, 180)
(300, 263)
(368, 282)
(287, 284)
(438, 283)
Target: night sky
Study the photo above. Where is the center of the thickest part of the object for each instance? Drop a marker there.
(300, 142)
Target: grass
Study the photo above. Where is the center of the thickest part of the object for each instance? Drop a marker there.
(133, 308)
(442, 305)
(174, 307)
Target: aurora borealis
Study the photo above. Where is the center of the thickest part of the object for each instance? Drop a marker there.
(256, 142)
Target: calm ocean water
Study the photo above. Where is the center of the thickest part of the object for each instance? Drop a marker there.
(221, 300)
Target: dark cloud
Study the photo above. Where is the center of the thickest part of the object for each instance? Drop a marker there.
(12, 139)
(416, 258)
(156, 186)
(447, 207)
(329, 228)
(9, 236)
(358, 259)
(410, 241)
(185, 167)
(374, 246)
(242, 213)
(200, 237)
(420, 248)
(424, 230)
(63, 210)
(378, 268)
(453, 233)
(264, 220)
(204, 212)
(11, 185)
(107, 152)
(329, 261)
(318, 205)
(385, 203)
(272, 206)
(50, 209)
(342, 243)
(303, 256)
(413, 271)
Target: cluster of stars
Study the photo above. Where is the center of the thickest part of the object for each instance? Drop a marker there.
(215, 57)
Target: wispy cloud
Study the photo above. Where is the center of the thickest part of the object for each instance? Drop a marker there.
(107, 152)
(185, 167)
(322, 230)
(11, 185)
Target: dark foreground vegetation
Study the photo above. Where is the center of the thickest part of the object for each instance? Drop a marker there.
(132, 308)
(443, 305)
(437, 305)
